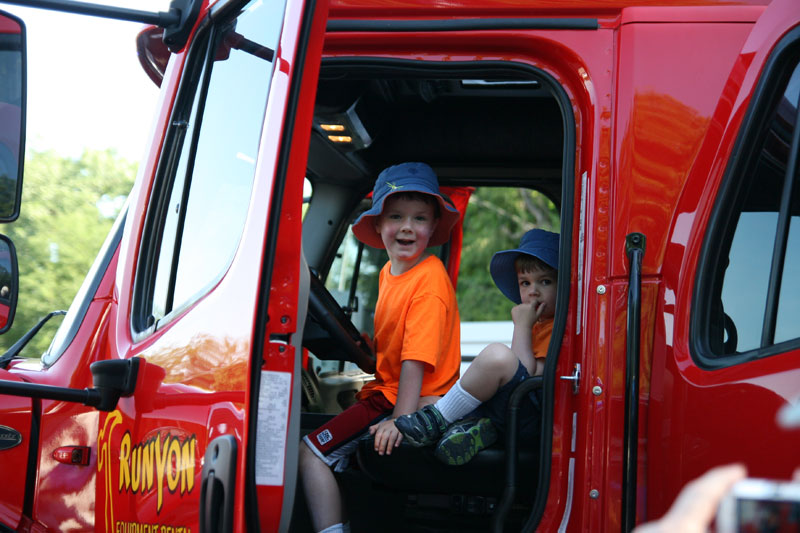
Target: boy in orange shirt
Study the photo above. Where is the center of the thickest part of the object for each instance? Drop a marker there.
(417, 335)
(528, 276)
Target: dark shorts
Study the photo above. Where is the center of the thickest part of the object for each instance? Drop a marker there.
(530, 409)
(336, 440)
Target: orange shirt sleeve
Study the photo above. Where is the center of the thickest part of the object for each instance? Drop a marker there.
(541, 338)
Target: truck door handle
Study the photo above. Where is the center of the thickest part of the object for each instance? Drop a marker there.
(575, 378)
(218, 483)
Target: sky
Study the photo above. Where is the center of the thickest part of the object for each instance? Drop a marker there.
(86, 89)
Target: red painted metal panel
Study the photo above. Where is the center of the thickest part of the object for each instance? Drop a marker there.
(701, 418)
(15, 420)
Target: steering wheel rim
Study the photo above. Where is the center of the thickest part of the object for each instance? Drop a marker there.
(326, 312)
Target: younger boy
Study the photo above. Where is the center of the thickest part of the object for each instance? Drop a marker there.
(528, 276)
(417, 339)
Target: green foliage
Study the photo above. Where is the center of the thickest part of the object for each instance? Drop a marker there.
(496, 219)
(65, 216)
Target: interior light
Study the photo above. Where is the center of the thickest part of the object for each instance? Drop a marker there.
(340, 138)
(332, 127)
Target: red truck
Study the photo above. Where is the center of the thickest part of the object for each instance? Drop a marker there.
(207, 337)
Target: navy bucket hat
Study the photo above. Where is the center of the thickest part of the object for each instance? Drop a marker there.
(405, 177)
(537, 243)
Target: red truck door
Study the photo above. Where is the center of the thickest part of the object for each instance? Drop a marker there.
(727, 319)
(196, 293)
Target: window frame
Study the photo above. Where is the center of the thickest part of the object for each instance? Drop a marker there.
(142, 322)
(772, 84)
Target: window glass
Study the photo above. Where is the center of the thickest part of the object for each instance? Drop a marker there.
(215, 148)
(340, 279)
(750, 241)
(788, 322)
(744, 292)
(227, 149)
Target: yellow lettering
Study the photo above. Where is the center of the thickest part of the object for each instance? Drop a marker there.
(136, 468)
(187, 470)
(174, 459)
(124, 457)
(147, 466)
(161, 459)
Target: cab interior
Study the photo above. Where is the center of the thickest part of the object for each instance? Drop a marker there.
(486, 129)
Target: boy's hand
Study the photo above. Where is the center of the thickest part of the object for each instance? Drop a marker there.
(526, 315)
(387, 436)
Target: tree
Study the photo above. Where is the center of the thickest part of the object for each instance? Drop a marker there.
(68, 206)
(496, 219)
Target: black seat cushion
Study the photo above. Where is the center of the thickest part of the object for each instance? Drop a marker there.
(417, 470)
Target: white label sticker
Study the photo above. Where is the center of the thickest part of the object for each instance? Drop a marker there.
(324, 437)
(273, 417)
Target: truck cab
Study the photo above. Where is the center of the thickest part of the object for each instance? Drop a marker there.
(222, 319)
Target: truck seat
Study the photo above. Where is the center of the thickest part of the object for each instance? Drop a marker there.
(417, 470)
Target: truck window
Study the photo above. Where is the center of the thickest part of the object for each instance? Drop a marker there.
(208, 167)
(754, 290)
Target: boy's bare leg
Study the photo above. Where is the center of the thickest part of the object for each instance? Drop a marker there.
(323, 497)
(493, 368)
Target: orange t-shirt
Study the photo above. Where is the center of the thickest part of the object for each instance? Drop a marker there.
(540, 340)
(416, 318)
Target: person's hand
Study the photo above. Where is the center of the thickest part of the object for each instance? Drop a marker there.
(696, 505)
(387, 436)
(526, 315)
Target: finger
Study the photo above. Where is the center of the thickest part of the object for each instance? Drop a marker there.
(384, 443)
(698, 501)
(393, 441)
(379, 442)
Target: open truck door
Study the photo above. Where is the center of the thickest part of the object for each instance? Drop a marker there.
(211, 280)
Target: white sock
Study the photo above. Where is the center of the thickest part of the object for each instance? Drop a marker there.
(456, 403)
(337, 528)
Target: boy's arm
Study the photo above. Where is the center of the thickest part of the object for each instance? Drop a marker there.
(524, 317)
(386, 433)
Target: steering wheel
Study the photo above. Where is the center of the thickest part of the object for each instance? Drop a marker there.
(329, 334)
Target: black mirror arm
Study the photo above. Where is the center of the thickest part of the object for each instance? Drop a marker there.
(177, 22)
(113, 379)
(17, 347)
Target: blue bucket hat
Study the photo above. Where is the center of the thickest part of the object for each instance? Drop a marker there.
(405, 177)
(536, 243)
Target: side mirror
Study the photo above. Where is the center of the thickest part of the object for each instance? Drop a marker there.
(113, 379)
(12, 114)
(9, 283)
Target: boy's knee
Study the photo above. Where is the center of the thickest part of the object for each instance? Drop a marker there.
(497, 355)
